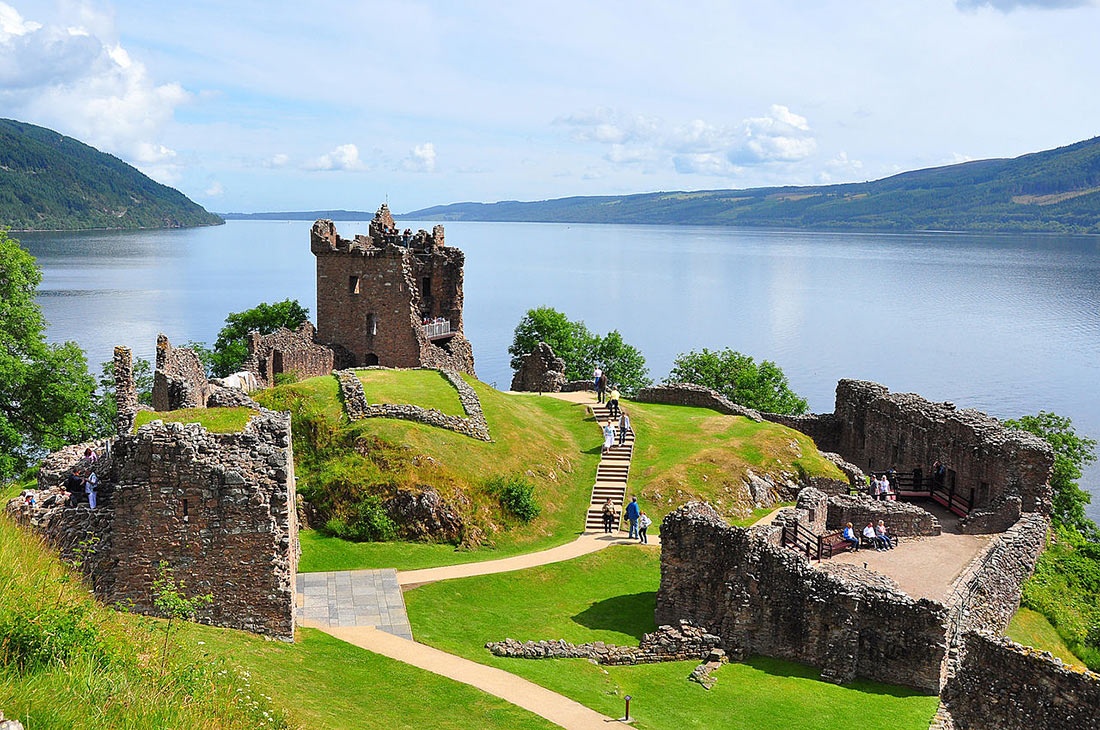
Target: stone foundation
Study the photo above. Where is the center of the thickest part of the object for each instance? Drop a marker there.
(1001, 684)
(678, 643)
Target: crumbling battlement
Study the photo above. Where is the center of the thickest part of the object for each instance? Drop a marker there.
(180, 378)
(902, 518)
(1004, 470)
(542, 371)
(764, 599)
(689, 394)
(288, 351)
(217, 508)
(375, 292)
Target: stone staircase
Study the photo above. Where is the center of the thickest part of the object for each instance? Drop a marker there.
(611, 474)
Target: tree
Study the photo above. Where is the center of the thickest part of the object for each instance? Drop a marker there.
(1072, 453)
(231, 348)
(46, 393)
(761, 386)
(623, 363)
(572, 341)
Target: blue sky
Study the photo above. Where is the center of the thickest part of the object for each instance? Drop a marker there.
(250, 106)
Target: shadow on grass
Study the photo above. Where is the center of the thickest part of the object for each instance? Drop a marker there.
(784, 668)
(630, 614)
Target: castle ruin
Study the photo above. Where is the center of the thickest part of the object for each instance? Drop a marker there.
(390, 298)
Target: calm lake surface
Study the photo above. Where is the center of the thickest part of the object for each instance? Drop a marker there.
(1006, 324)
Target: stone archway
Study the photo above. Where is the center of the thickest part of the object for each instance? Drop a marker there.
(370, 359)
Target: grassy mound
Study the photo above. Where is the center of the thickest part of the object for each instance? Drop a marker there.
(610, 596)
(68, 662)
(424, 388)
(215, 420)
(1032, 629)
(686, 453)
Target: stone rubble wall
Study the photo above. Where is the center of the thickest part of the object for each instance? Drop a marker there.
(126, 398)
(689, 394)
(218, 508)
(902, 519)
(763, 599)
(179, 380)
(542, 371)
(473, 425)
(285, 351)
(577, 386)
(823, 428)
(1001, 684)
(682, 642)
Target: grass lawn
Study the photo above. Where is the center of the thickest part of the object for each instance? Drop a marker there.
(424, 388)
(685, 453)
(609, 596)
(215, 420)
(1031, 628)
(321, 681)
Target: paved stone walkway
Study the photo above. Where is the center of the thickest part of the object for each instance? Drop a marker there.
(353, 598)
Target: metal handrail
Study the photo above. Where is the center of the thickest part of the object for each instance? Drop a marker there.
(437, 329)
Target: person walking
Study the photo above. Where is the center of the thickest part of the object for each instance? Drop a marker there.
(608, 437)
(613, 402)
(608, 516)
(624, 427)
(601, 387)
(643, 523)
(90, 483)
(596, 375)
(632, 513)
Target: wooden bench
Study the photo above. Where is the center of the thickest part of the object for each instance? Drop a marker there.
(833, 543)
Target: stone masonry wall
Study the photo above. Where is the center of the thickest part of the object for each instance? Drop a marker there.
(126, 398)
(180, 378)
(763, 599)
(218, 508)
(285, 351)
(542, 371)
(902, 518)
(473, 425)
(1003, 685)
(688, 394)
(682, 642)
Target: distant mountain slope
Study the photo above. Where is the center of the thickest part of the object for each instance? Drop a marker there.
(1053, 191)
(52, 182)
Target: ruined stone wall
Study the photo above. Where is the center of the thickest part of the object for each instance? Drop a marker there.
(286, 351)
(541, 372)
(689, 394)
(902, 518)
(1001, 684)
(679, 643)
(180, 378)
(373, 294)
(126, 398)
(218, 508)
(823, 428)
(764, 599)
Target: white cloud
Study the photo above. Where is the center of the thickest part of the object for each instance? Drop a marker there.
(781, 136)
(421, 158)
(704, 163)
(278, 160)
(79, 81)
(343, 157)
(957, 157)
(609, 126)
(215, 190)
(1007, 6)
(842, 167)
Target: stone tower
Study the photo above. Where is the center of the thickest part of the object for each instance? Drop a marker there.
(390, 298)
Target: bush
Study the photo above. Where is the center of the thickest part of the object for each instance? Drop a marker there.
(516, 496)
(286, 378)
(368, 523)
(55, 634)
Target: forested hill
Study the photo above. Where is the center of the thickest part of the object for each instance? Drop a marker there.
(52, 182)
(1053, 191)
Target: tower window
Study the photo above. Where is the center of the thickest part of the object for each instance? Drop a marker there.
(353, 285)
(425, 286)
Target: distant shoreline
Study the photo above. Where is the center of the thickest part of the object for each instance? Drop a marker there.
(118, 228)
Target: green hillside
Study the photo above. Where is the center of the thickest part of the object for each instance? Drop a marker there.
(1056, 191)
(52, 182)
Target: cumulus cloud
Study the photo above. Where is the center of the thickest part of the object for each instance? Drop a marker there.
(278, 160)
(421, 158)
(840, 167)
(343, 157)
(78, 80)
(697, 147)
(1007, 6)
(215, 189)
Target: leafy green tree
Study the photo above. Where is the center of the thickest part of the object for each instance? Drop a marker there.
(1072, 453)
(623, 363)
(231, 347)
(571, 340)
(47, 396)
(762, 386)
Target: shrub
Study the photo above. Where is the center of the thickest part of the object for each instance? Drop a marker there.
(371, 523)
(55, 634)
(516, 496)
(286, 378)
(336, 527)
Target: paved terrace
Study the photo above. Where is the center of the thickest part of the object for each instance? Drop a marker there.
(924, 567)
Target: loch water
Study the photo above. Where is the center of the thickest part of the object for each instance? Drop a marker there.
(1009, 324)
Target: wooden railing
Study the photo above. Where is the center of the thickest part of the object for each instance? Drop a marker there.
(916, 485)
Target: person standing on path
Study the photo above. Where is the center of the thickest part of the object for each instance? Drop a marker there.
(608, 516)
(601, 387)
(613, 402)
(633, 511)
(624, 427)
(596, 375)
(643, 523)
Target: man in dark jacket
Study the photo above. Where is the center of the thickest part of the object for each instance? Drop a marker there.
(632, 512)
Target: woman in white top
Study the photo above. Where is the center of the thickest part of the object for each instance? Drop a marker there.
(608, 437)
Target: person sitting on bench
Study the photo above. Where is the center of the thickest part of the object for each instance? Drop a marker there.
(849, 536)
(870, 536)
(886, 540)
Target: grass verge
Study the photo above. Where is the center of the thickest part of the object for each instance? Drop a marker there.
(1031, 628)
(214, 420)
(609, 596)
(424, 388)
